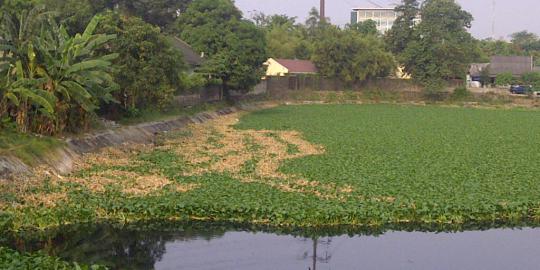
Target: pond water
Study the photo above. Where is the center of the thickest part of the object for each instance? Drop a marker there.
(222, 247)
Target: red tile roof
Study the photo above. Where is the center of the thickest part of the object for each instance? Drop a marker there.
(298, 66)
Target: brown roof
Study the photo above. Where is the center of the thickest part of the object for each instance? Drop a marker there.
(517, 65)
(298, 66)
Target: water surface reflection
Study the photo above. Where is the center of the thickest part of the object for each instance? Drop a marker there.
(209, 247)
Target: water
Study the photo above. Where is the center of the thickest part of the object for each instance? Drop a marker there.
(204, 247)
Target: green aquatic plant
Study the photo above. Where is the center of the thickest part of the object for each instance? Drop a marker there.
(10, 259)
(381, 165)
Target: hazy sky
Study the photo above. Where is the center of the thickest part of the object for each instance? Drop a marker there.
(511, 15)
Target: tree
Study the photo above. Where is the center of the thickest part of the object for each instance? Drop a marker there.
(235, 47)
(268, 22)
(162, 13)
(148, 68)
(19, 70)
(368, 27)
(441, 48)
(485, 77)
(314, 23)
(285, 38)
(75, 14)
(526, 41)
(490, 47)
(402, 32)
(351, 56)
(52, 80)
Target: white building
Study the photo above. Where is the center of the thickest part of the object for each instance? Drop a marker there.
(384, 17)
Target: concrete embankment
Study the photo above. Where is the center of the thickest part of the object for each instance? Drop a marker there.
(62, 160)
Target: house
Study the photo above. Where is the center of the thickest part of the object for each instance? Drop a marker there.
(287, 67)
(516, 65)
(192, 58)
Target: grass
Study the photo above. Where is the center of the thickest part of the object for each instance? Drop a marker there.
(28, 148)
(171, 113)
(381, 165)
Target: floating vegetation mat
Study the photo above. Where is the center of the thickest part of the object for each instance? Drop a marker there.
(305, 166)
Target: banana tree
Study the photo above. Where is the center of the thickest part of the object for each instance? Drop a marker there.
(20, 89)
(49, 76)
(78, 77)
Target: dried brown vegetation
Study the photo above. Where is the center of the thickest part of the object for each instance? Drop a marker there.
(250, 156)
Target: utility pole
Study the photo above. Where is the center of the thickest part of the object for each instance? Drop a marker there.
(323, 11)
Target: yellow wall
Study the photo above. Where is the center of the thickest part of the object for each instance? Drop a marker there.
(274, 68)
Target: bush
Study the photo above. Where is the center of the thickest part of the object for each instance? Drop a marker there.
(460, 93)
(533, 79)
(505, 79)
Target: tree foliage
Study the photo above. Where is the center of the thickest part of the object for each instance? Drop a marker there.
(235, 47)
(351, 56)
(441, 48)
(368, 27)
(148, 69)
(51, 80)
(285, 38)
(402, 32)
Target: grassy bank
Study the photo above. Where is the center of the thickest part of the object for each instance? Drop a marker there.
(318, 165)
(31, 148)
(27, 148)
(171, 113)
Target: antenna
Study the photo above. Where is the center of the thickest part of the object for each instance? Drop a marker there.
(323, 11)
(379, 6)
(493, 19)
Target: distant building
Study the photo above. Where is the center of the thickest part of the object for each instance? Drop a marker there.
(517, 65)
(192, 58)
(383, 16)
(284, 67)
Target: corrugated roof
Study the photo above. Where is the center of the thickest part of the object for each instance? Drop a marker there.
(190, 56)
(298, 66)
(517, 65)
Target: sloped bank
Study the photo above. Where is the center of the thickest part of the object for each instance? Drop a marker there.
(62, 160)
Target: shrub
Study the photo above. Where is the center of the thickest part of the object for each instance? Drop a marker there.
(533, 79)
(460, 93)
(505, 79)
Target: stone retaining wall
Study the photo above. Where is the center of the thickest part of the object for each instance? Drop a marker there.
(62, 160)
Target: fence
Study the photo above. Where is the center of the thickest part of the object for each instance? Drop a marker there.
(206, 95)
(278, 86)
